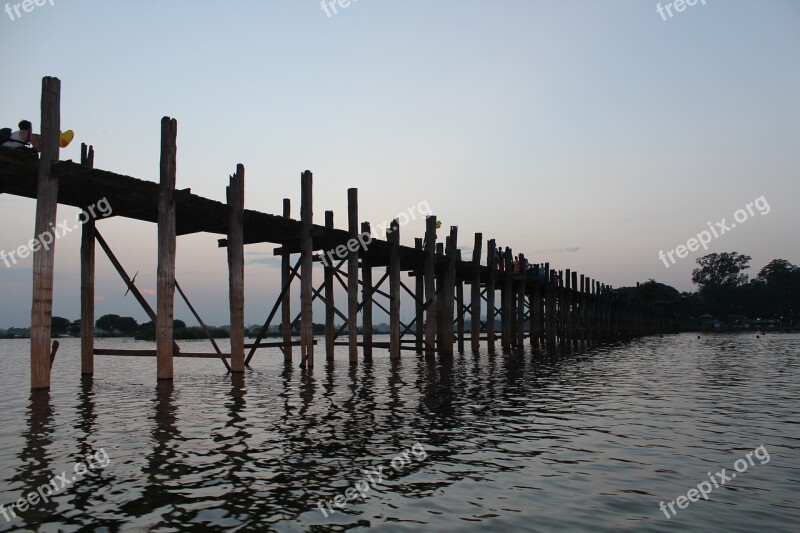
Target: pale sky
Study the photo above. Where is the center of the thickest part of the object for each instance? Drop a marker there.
(590, 134)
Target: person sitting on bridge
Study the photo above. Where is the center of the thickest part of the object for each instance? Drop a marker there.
(23, 137)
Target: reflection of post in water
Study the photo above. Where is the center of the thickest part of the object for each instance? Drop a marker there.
(161, 464)
(88, 486)
(35, 470)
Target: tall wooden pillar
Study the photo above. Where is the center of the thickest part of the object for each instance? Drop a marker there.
(394, 289)
(550, 306)
(44, 255)
(448, 293)
(330, 314)
(366, 296)
(165, 289)
(507, 318)
(87, 279)
(475, 293)
(352, 275)
(491, 262)
(459, 307)
(575, 300)
(521, 289)
(568, 305)
(286, 309)
(306, 270)
(430, 286)
(235, 196)
(536, 308)
(419, 302)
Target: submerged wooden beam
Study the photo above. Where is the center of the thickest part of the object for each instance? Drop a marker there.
(165, 285)
(44, 254)
(235, 196)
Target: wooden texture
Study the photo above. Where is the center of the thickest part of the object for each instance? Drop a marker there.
(394, 289)
(475, 294)
(306, 271)
(352, 275)
(235, 194)
(491, 280)
(286, 301)
(87, 280)
(430, 286)
(330, 332)
(419, 302)
(366, 296)
(165, 278)
(44, 255)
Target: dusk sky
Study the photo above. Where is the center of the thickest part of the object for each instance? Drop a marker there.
(590, 134)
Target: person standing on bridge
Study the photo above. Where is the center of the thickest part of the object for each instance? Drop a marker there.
(23, 137)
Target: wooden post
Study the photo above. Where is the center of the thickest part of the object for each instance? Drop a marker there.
(235, 197)
(536, 308)
(507, 319)
(165, 289)
(550, 306)
(394, 289)
(419, 301)
(286, 309)
(352, 275)
(430, 286)
(44, 254)
(459, 307)
(329, 303)
(306, 271)
(448, 293)
(87, 279)
(366, 295)
(521, 286)
(568, 305)
(491, 262)
(583, 309)
(475, 294)
(575, 299)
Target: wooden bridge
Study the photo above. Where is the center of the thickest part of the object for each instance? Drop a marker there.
(537, 305)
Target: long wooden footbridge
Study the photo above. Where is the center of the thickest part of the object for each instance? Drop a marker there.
(539, 305)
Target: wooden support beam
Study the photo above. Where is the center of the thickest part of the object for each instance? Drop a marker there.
(306, 271)
(330, 307)
(235, 196)
(286, 301)
(448, 293)
(521, 290)
(550, 306)
(394, 289)
(491, 263)
(419, 302)
(574, 300)
(165, 284)
(430, 286)
(507, 319)
(568, 305)
(366, 297)
(87, 279)
(537, 329)
(475, 328)
(202, 324)
(44, 255)
(459, 308)
(352, 275)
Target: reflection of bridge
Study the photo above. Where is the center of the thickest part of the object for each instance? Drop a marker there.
(560, 307)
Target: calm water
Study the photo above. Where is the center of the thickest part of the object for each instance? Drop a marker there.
(590, 440)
